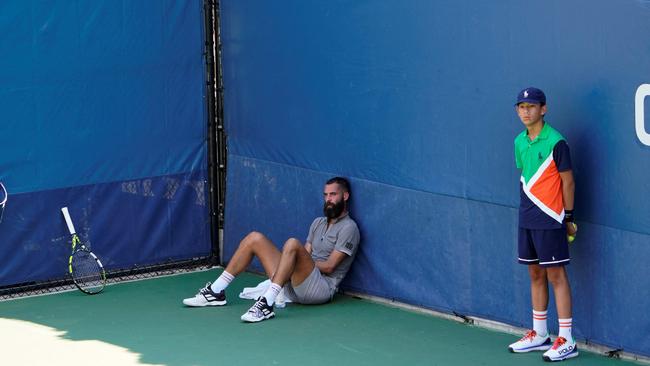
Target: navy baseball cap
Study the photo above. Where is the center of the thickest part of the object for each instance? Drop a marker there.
(531, 95)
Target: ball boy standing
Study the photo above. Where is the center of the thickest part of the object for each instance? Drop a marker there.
(545, 219)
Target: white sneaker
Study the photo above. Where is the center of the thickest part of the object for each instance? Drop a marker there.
(561, 350)
(206, 297)
(531, 342)
(258, 312)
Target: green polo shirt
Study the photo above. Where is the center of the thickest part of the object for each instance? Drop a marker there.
(540, 161)
(530, 155)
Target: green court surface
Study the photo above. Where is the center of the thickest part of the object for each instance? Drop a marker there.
(144, 323)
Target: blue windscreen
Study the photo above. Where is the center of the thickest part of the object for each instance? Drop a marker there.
(414, 102)
(104, 111)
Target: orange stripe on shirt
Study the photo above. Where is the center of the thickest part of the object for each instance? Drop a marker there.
(548, 188)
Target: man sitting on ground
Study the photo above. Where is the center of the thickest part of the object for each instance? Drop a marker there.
(310, 274)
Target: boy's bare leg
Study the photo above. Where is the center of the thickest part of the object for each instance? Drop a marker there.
(538, 287)
(561, 289)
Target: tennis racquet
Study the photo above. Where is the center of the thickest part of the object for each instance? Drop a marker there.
(3, 199)
(85, 268)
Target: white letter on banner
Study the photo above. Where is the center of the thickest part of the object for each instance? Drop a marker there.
(639, 113)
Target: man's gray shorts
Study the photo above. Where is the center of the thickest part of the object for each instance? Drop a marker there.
(315, 289)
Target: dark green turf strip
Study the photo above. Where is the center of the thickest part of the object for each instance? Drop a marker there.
(148, 318)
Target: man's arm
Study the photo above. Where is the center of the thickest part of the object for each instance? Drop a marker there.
(328, 266)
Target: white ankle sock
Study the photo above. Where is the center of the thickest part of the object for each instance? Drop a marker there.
(539, 322)
(565, 328)
(222, 282)
(271, 293)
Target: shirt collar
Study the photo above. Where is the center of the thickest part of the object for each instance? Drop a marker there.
(344, 215)
(543, 134)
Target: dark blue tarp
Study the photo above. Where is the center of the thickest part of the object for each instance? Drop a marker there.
(414, 102)
(103, 110)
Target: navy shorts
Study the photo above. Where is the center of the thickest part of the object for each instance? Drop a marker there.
(547, 248)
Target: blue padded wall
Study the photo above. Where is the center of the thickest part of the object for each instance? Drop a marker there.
(414, 102)
(103, 110)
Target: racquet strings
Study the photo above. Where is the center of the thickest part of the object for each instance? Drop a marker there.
(3, 199)
(86, 271)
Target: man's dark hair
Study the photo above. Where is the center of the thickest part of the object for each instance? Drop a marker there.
(341, 182)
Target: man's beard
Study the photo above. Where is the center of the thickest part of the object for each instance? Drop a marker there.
(335, 210)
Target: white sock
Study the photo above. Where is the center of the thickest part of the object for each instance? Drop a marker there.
(222, 282)
(272, 292)
(539, 322)
(565, 328)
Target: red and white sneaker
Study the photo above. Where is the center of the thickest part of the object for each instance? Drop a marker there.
(561, 350)
(531, 342)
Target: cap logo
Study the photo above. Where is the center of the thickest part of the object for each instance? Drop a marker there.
(525, 93)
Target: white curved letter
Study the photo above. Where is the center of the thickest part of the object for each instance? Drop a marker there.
(639, 113)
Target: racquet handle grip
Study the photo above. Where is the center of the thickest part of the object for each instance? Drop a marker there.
(68, 220)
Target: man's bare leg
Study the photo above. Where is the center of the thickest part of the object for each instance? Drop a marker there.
(254, 245)
(295, 264)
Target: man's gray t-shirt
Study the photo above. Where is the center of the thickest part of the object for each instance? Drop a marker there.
(342, 235)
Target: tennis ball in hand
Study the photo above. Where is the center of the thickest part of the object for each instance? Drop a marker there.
(571, 238)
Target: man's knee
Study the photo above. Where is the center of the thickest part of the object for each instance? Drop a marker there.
(292, 245)
(251, 239)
